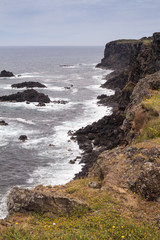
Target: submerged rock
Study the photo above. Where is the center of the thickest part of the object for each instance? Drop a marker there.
(60, 102)
(41, 104)
(28, 85)
(5, 73)
(30, 95)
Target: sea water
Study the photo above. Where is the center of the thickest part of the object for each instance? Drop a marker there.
(69, 74)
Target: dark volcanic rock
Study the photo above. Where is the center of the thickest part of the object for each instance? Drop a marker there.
(116, 80)
(23, 138)
(60, 102)
(3, 123)
(30, 95)
(5, 73)
(41, 104)
(28, 85)
(117, 54)
(101, 135)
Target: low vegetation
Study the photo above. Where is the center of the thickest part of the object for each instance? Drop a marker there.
(108, 219)
(152, 127)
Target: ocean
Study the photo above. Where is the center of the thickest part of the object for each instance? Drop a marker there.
(69, 74)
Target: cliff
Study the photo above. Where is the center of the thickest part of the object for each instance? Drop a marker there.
(117, 54)
(118, 193)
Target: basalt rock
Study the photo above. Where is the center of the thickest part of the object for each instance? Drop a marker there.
(28, 85)
(41, 104)
(95, 138)
(3, 123)
(5, 73)
(30, 95)
(23, 138)
(117, 54)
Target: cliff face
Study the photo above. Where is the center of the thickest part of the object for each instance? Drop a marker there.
(134, 115)
(117, 54)
(146, 58)
(137, 57)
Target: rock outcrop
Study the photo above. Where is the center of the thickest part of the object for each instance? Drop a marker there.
(5, 73)
(43, 200)
(133, 167)
(28, 85)
(30, 95)
(117, 54)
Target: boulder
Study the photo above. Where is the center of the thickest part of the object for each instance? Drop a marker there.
(5, 73)
(42, 200)
(28, 85)
(30, 95)
(3, 123)
(72, 161)
(23, 138)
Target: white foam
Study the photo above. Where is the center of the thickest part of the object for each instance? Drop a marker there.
(3, 206)
(69, 67)
(54, 88)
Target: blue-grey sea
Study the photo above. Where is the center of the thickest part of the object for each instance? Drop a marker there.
(44, 157)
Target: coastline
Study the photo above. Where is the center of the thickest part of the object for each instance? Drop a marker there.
(121, 177)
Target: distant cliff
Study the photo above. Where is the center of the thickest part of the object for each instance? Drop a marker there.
(117, 54)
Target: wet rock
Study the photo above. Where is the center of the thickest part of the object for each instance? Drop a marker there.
(41, 104)
(60, 102)
(5, 73)
(30, 95)
(91, 136)
(28, 85)
(51, 145)
(72, 161)
(65, 65)
(23, 138)
(3, 123)
(42, 200)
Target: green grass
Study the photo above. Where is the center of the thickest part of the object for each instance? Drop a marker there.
(153, 103)
(98, 225)
(152, 127)
(150, 131)
(106, 220)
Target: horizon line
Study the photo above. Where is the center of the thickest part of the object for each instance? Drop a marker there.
(51, 45)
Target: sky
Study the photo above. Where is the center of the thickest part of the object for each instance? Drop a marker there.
(76, 22)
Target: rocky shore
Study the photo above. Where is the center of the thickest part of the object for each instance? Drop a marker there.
(121, 152)
(131, 61)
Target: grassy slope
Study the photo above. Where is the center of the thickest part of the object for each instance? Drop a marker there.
(109, 218)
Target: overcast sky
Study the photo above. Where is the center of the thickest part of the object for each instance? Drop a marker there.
(76, 22)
